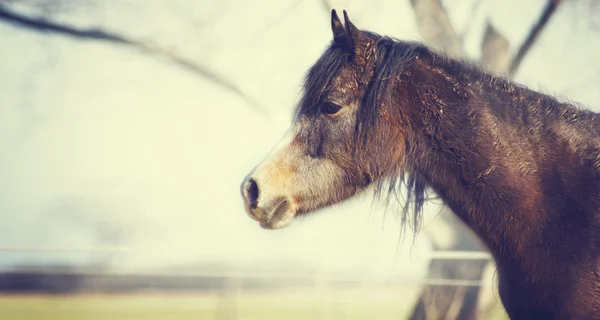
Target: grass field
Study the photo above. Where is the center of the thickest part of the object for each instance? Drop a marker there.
(254, 306)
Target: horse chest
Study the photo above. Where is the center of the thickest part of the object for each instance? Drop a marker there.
(573, 296)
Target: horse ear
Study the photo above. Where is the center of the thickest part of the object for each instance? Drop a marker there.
(350, 28)
(339, 32)
(345, 37)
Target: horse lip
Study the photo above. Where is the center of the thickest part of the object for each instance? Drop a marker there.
(283, 205)
(279, 217)
(255, 213)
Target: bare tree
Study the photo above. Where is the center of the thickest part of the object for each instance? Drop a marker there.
(44, 24)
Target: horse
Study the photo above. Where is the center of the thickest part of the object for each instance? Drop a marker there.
(520, 168)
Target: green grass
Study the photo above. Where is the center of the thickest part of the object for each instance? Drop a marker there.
(254, 306)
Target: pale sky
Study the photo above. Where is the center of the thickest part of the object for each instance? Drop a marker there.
(94, 136)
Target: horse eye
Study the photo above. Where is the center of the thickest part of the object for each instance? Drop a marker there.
(330, 108)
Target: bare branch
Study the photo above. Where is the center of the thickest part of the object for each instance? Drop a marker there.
(435, 26)
(534, 34)
(326, 6)
(470, 20)
(494, 50)
(43, 25)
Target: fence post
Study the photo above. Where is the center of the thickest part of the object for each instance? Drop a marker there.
(227, 308)
(323, 308)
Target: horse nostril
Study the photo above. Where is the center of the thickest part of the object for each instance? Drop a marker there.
(252, 193)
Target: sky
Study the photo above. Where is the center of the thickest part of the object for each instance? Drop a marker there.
(105, 146)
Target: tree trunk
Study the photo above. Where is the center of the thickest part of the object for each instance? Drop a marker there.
(451, 302)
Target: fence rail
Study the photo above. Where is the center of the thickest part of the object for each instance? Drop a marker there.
(231, 274)
(434, 255)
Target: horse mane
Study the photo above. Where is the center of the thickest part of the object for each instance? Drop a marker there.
(392, 57)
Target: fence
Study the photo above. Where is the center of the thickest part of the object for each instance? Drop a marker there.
(435, 255)
(232, 286)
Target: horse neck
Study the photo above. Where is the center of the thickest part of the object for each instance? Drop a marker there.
(461, 149)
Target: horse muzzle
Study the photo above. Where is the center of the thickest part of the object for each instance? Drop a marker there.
(272, 212)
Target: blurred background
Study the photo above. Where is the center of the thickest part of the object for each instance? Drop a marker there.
(127, 126)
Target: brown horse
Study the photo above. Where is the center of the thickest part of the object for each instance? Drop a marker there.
(520, 168)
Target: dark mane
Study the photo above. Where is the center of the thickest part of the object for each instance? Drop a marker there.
(392, 57)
